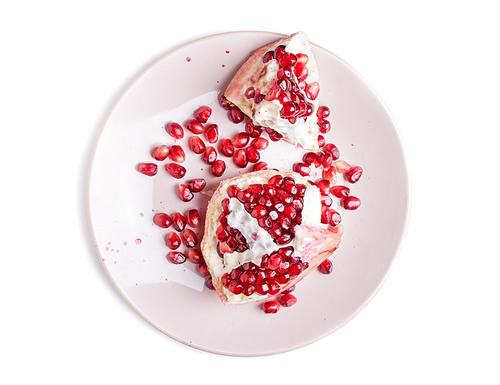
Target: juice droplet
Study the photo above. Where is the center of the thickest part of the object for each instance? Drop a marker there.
(138, 241)
(188, 59)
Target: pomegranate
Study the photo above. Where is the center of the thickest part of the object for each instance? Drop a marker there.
(263, 234)
(277, 87)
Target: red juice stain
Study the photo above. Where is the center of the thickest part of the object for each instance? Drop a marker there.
(227, 51)
(188, 59)
(138, 241)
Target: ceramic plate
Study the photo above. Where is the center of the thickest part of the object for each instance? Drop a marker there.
(174, 298)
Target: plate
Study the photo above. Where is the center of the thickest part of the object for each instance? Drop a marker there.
(174, 298)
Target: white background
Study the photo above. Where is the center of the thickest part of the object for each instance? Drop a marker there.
(436, 64)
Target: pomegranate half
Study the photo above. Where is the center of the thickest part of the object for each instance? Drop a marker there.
(277, 87)
(263, 234)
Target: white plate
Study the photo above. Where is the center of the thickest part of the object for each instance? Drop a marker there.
(173, 298)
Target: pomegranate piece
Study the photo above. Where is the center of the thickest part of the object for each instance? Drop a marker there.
(193, 218)
(178, 221)
(353, 174)
(196, 145)
(218, 167)
(350, 202)
(177, 154)
(161, 153)
(210, 155)
(162, 220)
(176, 257)
(196, 185)
(185, 194)
(175, 130)
(226, 147)
(149, 169)
(195, 126)
(173, 241)
(212, 133)
(176, 170)
(287, 300)
(202, 114)
(326, 267)
(271, 307)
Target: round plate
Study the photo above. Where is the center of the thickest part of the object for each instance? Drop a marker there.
(174, 298)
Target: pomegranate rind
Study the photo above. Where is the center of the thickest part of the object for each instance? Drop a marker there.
(318, 242)
(263, 77)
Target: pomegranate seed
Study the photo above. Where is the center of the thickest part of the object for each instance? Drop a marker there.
(287, 300)
(274, 135)
(253, 155)
(226, 147)
(325, 215)
(354, 174)
(195, 126)
(301, 72)
(324, 186)
(302, 168)
(162, 220)
(259, 143)
(176, 257)
(271, 307)
(196, 185)
(324, 126)
(232, 191)
(326, 200)
(252, 130)
(326, 160)
(339, 230)
(176, 170)
(250, 93)
(194, 256)
(175, 130)
(193, 218)
(335, 218)
(240, 158)
(185, 194)
(202, 114)
(330, 175)
(302, 58)
(340, 191)
(321, 141)
(323, 112)
(240, 140)
(268, 56)
(203, 269)
(212, 133)
(341, 166)
(350, 202)
(189, 238)
(289, 110)
(149, 169)
(196, 145)
(178, 221)
(312, 90)
(218, 167)
(236, 115)
(224, 103)
(209, 283)
(177, 154)
(311, 158)
(210, 155)
(259, 166)
(161, 152)
(332, 149)
(326, 267)
(173, 241)
(235, 287)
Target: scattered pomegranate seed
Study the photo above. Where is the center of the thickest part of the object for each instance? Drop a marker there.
(321, 141)
(162, 220)
(212, 133)
(196, 185)
(149, 169)
(236, 115)
(194, 256)
(195, 126)
(240, 140)
(271, 307)
(323, 112)
(173, 241)
(311, 158)
(189, 238)
(340, 191)
(252, 130)
(193, 218)
(161, 153)
(287, 300)
(176, 257)
(259, 143)
(326, 267)
(330, 175)
(341, 166)
(240, 158)
(224, 103)
(335, 218)
(332, 149)
(210, 155)
(326, 159)
(175, 130)
(196, 144)
(302, 168)
(226, 147)
(176, 170)
(185, 194)
(177, 154)
(259, 166)
(218, 167)
(353, 174)
(324, 186)
(178, 221)
(350, 202)
(324, 126)
(273, 134)
(202, 114)
(253, 155)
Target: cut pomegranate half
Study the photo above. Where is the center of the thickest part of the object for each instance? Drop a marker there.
(263, 234)
(277, 87)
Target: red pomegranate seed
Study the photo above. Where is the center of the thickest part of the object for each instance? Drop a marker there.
(226, 147)
(202, 114)
(195, 126)
(312, 90)
(232, 191)
(330, 175)
(324, 126)
(203, 269)
(161, 152)
(162, 220)
(212, 133)
(354, 174)
(240, 140)
(253, 155)
(326, 200)
(332, 149)
(196, 144)
(185, 194)
(325, 215)
(178, 221)
(324, 186)
(236, 115)
(302, 58)
(194, 256)
(259, 143)
(176, 257)
(240, 158)
(268, 56)
(289, 110)
(210, 155)
(273, 134)
(335, 218)
(287, 300)
(250, 93)
(340, 191)
(326, 267)
(175, 130)
(224, 103)
(252, 130)
(177, 154)
(302, 168)
(311, 158)
(149, 169)
(323, 112)
(209, 283)
(271, 307)
(176, 170)
(193, 218)
(173, 241)
(196, 185)
(341, 166)
(218, 167)
(326, 160)
(301, 72)
(259, 166)
(189, 238)
(350, 202)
